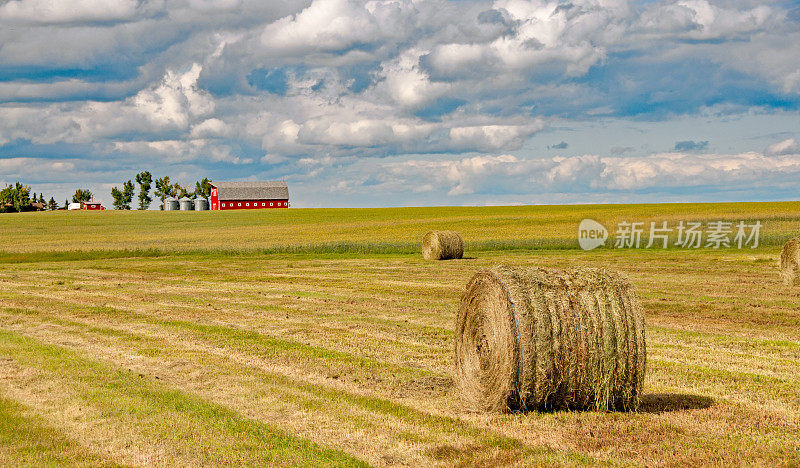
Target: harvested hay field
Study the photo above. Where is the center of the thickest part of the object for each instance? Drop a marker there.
(536, 339)
(442, 245)
(345, 357)
(790, 262)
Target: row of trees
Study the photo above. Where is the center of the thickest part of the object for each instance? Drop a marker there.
(123, 198)
(17, 198)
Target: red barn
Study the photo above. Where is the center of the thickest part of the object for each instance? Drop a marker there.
(248, 195)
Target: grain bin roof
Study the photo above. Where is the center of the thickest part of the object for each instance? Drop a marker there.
(252, 190)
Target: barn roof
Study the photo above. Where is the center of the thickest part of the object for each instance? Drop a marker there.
(276, 190)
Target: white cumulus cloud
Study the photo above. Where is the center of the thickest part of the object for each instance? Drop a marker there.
(407, 84)
(62, 11)
(592, 173)
(784, 147)
(326, 25)
(494, 137)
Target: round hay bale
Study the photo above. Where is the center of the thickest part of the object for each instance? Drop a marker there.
(790, 262)
(536, 339)
(442, 245)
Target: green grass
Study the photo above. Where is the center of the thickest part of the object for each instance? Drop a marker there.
(306, 396)
(210, 433)
(358, 231)
(28, 440)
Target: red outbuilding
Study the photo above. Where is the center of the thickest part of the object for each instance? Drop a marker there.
(248, 195)
(93, 206)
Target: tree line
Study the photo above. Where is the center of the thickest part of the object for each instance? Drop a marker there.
(164, 188)
(18, 198)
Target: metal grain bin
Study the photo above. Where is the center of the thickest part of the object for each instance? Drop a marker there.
(201, 204)
(171, 204)
(186, 204)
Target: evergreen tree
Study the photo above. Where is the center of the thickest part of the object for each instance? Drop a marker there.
(15, 198)
(118, 197)
(144, 179)
(82, 196)
(203, 188)
(23, 197)
(52, 204)
(180, 191)
(127, 194)
(123, 198)
(7, 197)
(163, 189)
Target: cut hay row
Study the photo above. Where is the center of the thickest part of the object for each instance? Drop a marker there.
(790, 262)
(442, 245)
(535, 339)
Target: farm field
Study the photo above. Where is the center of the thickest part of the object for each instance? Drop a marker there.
(363, 230)
(321, 337)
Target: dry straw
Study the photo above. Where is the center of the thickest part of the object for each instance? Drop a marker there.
(790, 262)
(442, 245)
(535, 339)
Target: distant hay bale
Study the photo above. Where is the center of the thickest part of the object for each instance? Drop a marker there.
(790, 262)
(442, 245)
(536, 339)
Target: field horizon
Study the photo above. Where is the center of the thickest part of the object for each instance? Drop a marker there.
(367, 230)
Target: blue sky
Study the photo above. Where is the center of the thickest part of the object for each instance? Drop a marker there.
(390, 102)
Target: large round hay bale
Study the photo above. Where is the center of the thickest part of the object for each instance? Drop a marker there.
(790, 262)
(442, 245)
(536, 339)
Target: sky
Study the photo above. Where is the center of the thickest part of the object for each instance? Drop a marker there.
(407, 103)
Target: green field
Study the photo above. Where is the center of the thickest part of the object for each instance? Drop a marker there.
(379, 230)
(321, 337)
